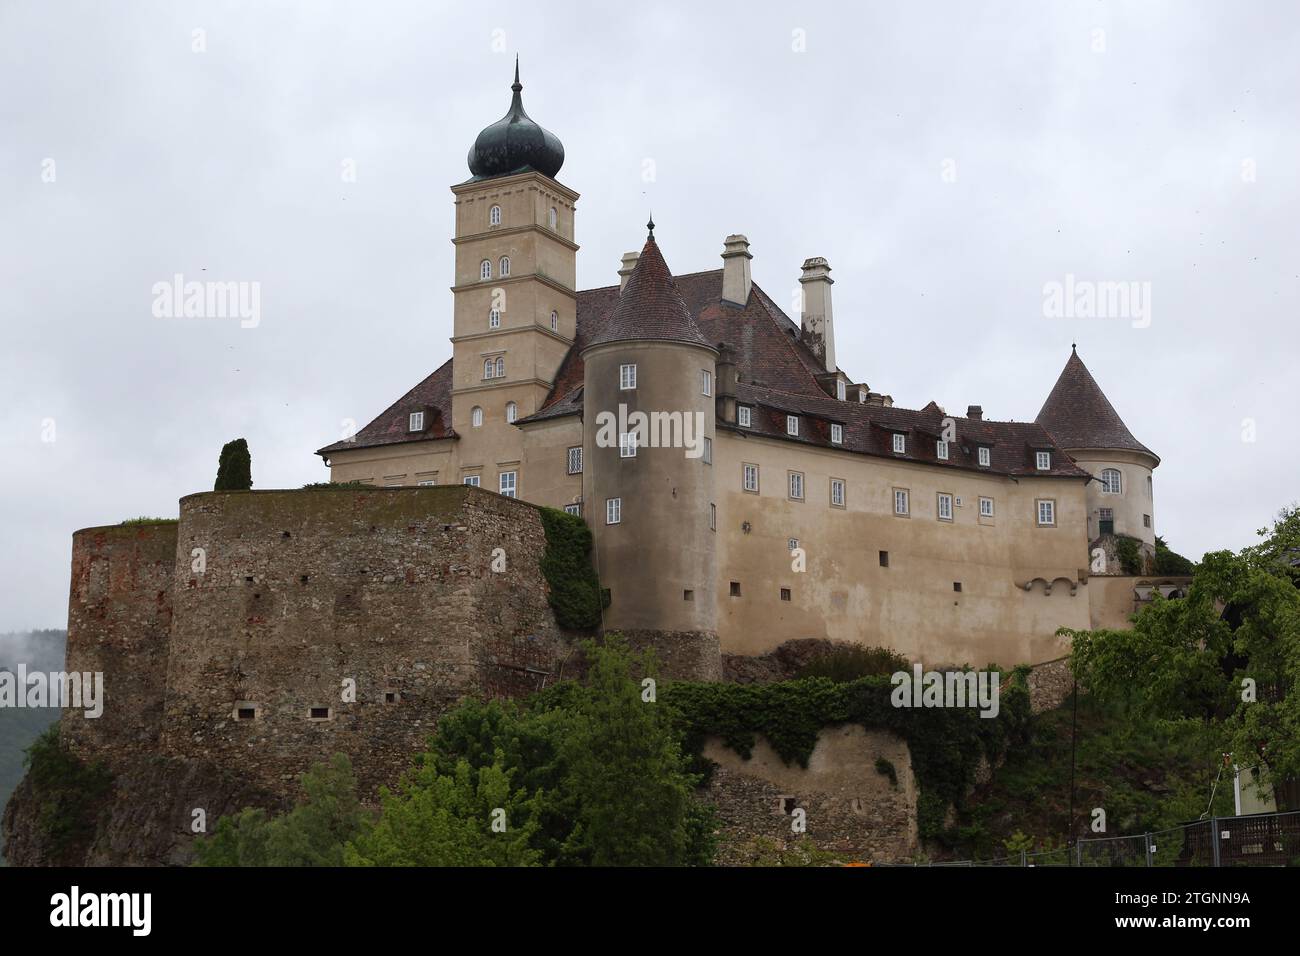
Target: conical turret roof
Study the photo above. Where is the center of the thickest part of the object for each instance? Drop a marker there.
(1078, 414)
(650, 307)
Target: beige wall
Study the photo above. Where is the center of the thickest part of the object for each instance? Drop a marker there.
(1132, 503)
(910, 605)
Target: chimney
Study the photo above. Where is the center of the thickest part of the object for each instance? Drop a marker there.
(736, 281)
(975, 412)
(815, 317)
(629, 263)
(727, 378)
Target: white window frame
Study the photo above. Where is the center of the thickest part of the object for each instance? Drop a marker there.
(706, 382)
(627, 378)
(792, 425)
(941, 450)
(575, 509)
(943, 506)
(841, 390)
(476, 417)
(485, 269)
(708, 451)
(743, 416)
(508, 484)
(426, 482)
(613, 511)
(512, 412)
(902, 502)
(555, 219)
(837, 434)
(796, 486)
(1045, 507)
(986, 507)
(985, 456)
(494, 216)
(505, 266)
(494, 318)
(900, 443)
(748, 469)
(474, 481)
(501, 366)
(627, 444)
(415, 422)
(1106, 488)
(489, 369)
(1043, 460)
(575, 460)
(838, 485)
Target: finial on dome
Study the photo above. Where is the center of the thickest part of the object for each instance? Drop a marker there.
(651, 226)
(516, 85)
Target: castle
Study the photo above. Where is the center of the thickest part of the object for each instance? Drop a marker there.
(803, 503)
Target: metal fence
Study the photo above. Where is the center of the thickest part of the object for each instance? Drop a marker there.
(1260, 839)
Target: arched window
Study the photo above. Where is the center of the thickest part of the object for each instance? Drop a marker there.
(485, 269)
(1111, 481)
(489, 368)
(555, 321)
(494, 319)
(494, 216)
(501, 367)
(554, 218)
(512, 411)
(505, 266)
(476, 417)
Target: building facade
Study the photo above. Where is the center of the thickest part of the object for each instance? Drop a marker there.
(743, 490)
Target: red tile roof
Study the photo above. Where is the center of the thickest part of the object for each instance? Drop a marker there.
(432, 396)
(1079, 415)
(650, 307)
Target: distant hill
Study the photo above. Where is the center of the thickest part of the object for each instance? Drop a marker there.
(19, 726)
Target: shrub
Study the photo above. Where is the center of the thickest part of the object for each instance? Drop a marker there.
(850, 661)
(70, 792)
(235, 468)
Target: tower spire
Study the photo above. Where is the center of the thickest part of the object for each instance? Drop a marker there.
(651, 227)
(516, 85)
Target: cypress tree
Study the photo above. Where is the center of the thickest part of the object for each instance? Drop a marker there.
(235, 468)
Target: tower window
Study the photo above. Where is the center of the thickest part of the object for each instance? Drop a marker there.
(792, 424)
(1112, 482)
(785, 594)
(489, 368)
(508, 483)
(884, 559)
(688, 595)
(613, 510)
(941, 450)
(494, 319)
(555, 218)
(512, 412)
(1046, 512)
(575, 460)
(900, 443)
(416, 422)
(1043, 460)
(742, 416)
(985, 457)
(505, 266)
(501, 366)
(485, 269)
(555, 321)
(837, 434)
(956, 586)
(627, 445)
(1146, 521)
(708, 451)
(476, 417)
(494, 216)
(713, 517)
(626, 377)
(706, 382)
(735, 589)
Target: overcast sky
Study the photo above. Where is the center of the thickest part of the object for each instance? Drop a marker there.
(948, 159)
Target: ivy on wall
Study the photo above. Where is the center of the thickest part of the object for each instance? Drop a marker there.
(575, 593)
(946, 743)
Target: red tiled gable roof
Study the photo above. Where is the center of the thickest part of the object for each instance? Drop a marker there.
(1078, 414)
(432, 396)
(650, 307)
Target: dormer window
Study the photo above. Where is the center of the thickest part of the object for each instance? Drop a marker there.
(862, 396)
(841, 390)
(792, 425)
(494, 216)
(900, 443)
(941, 450)
(505, 266)
(986, 457)
(494, 319)
(1043, 460)
(416, 422)
(485, 269)
(743, 416)
(837, 434)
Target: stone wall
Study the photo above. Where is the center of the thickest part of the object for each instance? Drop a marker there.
(308, 595)
(119, 618)
(852, 809)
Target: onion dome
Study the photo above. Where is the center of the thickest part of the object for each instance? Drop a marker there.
(515, 144)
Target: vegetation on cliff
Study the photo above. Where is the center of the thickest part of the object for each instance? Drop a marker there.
(70, 794)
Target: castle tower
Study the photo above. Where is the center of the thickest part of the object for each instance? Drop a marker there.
(649, 385)
(1120, 498)
(516, 272)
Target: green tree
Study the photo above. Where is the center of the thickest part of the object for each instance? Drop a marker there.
(312, 834)
(235, 468)
(1171, 562)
